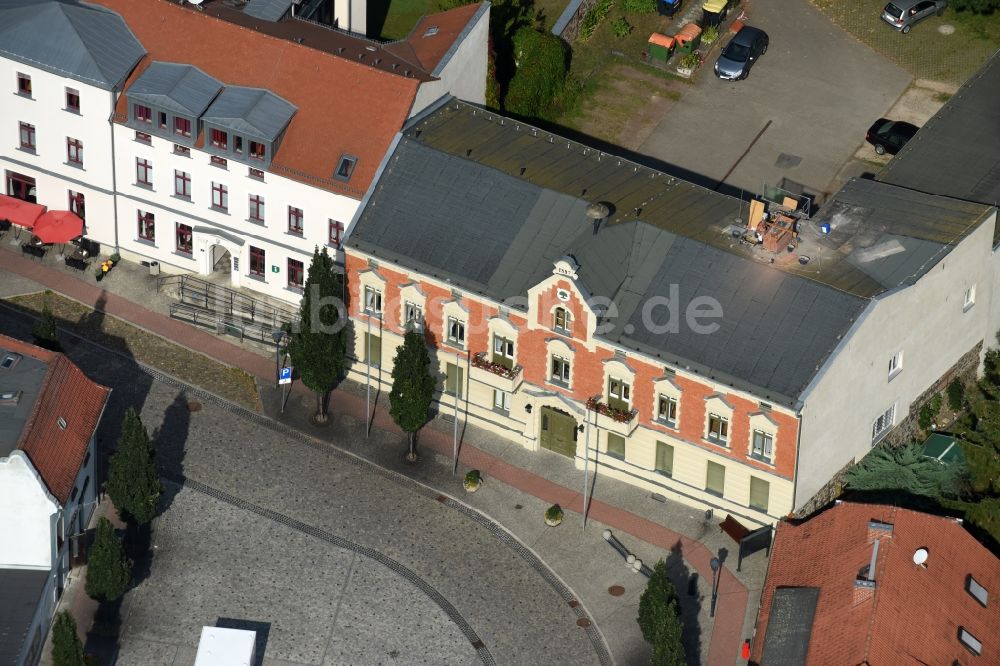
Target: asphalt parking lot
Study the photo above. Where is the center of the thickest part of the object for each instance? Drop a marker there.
(801, 114)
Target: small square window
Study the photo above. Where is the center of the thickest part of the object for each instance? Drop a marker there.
(72, 100)
(412, 313)
(182, 150)
(895, 364)
(973, 644)
(456, 331)
(257, 150)
(761, 446)
(142, 137)
(969, 298)
(666, 410)
(219, 139)
(560, 370)
(501, 400)
(616, 446)
(978, 592)
(373, 300)
(182, 126)
(345, 167)
(219, 161)
(23, 84)
(336, 233)
(718, 429)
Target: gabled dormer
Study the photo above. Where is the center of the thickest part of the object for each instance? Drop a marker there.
(247, 125)
(168, 100)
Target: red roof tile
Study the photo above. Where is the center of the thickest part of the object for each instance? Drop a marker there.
(343, 107)
(66, 393)
(914, 614)
(431, 48)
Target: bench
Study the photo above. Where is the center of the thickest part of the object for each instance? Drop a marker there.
(733, 528)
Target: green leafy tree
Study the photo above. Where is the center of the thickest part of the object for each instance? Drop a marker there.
(956, 394)
(133, 483)
(45, 331)
(660, 619)
(929, 412)
(412, 387)
(540, 58)
(317, 348)
(67, 650)
(905, 469)
(108, 572)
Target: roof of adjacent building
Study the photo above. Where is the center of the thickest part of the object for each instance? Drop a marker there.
(82, 41)
(912, 614)
(490, 203)
(251, 111)
(58, 413)
(957, 152)
(343, 107)
(175, 87)
(20, 592)
(268, 10)
(436, 37)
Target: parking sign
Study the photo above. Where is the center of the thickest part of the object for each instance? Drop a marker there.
(285, 376)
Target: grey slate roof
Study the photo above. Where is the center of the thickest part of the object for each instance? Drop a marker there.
(454, 203)
(80, 41)
(957, 152)
(26, 376)
(252, 111)
(182, 89)
(20, 592)
(268, 10)
(789, 626)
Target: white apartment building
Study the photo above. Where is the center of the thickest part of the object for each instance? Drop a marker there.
(236, 161)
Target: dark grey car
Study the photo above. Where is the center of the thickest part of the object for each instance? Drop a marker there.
(741, 53)
(904, 14)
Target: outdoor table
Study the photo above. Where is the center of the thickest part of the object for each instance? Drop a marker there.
(34, 248)
(78, 259)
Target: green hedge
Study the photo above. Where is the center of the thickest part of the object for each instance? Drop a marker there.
(541, 71)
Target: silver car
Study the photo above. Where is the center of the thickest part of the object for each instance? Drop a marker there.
(904, 14)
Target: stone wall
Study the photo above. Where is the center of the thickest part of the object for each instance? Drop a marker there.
(908, 430)
(568, 24)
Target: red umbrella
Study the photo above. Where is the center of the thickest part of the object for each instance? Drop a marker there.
(58, 226)
(21, 213)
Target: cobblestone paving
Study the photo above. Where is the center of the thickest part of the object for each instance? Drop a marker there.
(218, 561)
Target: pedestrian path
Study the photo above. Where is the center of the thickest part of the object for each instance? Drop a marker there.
(734, 613)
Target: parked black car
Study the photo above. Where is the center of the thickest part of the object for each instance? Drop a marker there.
(889, 136)
(740, 53)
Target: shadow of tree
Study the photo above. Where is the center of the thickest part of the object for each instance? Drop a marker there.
(686, 583)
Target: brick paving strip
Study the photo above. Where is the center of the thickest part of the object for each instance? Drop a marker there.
(724, 647)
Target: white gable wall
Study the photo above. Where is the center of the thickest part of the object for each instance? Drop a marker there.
(27, 515)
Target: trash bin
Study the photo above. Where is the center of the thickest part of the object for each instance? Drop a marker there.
(661, 47)
(154, 268)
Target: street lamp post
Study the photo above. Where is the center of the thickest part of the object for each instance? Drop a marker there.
(277, 334)
(586, 464)
(716, 567)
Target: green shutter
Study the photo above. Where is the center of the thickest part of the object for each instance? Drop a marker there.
(616, 446)
(373, 349)
(715, 481)
(759, 491)
(664, 458)
(454, 379)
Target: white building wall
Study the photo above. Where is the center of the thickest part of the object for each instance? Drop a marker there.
(929, 324)
(351, 15)
(46, 110)
(27, 516)
(463, 71)
(319, 207)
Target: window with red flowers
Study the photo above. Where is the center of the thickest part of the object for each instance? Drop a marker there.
(182, 126)
(220, 139)
(256, 261)
(295, 220)
(295, 273)
(257, 209)
(74, 151)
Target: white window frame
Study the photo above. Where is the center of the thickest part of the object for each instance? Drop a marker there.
(373, 300)
(896, 364)
(567, 320)
(662, 398)
(412, 312)
(883, 423)
(567, 370)
(969, 298)
(722, 439)
(501, 400)
(624, 389)
(971, 643)
(503, 346)
(456, 331)
(767, 446)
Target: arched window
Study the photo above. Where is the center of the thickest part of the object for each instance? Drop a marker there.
(563, 320)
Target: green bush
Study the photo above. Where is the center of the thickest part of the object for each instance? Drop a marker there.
(541, 71)
(929, 412)
(108, 573)
(639, 6)
(554, 512)
(621, 28)
(710, 34)
(956, 394)
(691, 60)
(66, 647)
(594, 17)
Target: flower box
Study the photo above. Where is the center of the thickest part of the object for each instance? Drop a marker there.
(495, 375)
(620, 421)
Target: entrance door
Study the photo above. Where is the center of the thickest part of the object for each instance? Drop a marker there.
(221, 260)
(21, 187)
(558, 432)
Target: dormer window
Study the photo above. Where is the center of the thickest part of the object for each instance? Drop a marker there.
(345, 167)
(182, 126)
(142, 114)
(220, 139)
(238, 145)
(257, 150)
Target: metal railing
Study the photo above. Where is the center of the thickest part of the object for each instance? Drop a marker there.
(222, 324)
(219, 301)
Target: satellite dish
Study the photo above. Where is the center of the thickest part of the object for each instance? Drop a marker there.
(920, 556)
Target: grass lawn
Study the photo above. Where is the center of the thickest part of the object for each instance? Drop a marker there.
(393, 19)
(925, 52)
(551, 11)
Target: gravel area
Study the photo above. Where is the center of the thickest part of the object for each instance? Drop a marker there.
(193, 368)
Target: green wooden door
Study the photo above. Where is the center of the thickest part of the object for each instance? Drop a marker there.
(558, 432)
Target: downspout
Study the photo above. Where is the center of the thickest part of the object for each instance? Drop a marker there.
(798, 449)
(114, 169)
